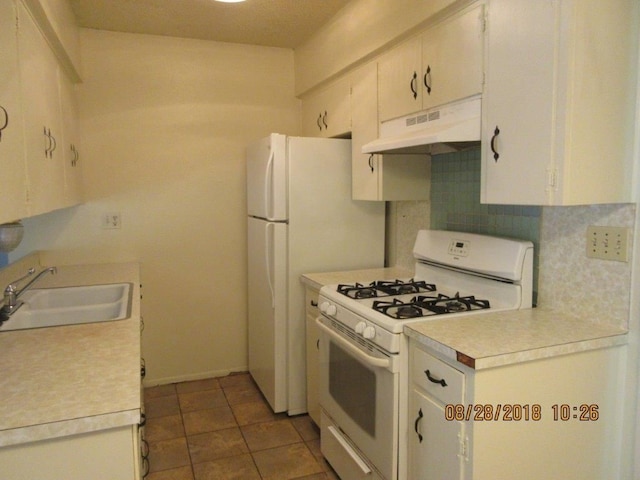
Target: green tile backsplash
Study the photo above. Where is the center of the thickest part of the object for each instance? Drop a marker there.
(455, 203)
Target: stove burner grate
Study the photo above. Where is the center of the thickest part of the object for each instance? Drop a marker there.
(385, 288)
(422, 306)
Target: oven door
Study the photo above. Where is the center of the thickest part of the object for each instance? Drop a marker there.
(359, 389)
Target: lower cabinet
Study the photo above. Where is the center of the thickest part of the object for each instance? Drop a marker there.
(103, 455)
(557, 417)
(312, 343)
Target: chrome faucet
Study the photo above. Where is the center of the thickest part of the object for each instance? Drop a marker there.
(12, 294)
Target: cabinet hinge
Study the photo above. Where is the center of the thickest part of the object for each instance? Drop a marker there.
(552, 177)
(463, 441)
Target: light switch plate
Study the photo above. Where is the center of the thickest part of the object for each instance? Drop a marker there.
(608, 243)
(111, 220)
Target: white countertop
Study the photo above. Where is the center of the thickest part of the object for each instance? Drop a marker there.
(72, 379)
(493, 339)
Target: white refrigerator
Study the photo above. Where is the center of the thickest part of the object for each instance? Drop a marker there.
(301, 219)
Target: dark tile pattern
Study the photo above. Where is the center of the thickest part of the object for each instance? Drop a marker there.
(223, 429)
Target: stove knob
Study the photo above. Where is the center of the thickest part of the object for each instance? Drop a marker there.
(369, 332)
(323, 307)
(360, 326)
(331, 310)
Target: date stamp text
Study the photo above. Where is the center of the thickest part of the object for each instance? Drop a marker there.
(520, 412)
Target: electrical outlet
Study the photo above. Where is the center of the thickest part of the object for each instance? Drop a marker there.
(608, 243)
(111, 220)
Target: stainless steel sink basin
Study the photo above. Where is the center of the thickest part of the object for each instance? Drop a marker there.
(48, 307)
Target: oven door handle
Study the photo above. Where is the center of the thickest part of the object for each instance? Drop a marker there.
(368, 359)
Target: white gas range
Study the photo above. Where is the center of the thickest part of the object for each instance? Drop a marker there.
(363, 353)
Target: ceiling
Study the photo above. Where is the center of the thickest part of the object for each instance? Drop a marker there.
(275, 23)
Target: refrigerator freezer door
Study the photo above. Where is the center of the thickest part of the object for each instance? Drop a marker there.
(267, 309)
(267, 178)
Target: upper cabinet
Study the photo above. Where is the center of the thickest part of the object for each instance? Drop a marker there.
(452, 59)
(70, 142)
(442, 65)
(326, 112)
(42, 117)
(39, 151)
(558, 104)
(12, 165)
(380, 177)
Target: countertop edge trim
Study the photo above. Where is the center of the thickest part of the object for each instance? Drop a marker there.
(65, 428)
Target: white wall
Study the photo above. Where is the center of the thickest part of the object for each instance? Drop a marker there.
(165, 122)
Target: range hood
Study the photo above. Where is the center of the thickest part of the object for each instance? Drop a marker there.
(448, 128)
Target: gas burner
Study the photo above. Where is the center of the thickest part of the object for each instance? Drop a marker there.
(357, 290)
(400, 287)
(398, 309)
(385, 288)
(445, 304)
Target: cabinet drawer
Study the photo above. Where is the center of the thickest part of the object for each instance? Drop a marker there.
(435, 377)
(311, 301)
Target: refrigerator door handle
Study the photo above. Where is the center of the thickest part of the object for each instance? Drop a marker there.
(268, 186)
(268, 241)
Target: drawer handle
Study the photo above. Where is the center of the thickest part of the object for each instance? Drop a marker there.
(415, 426)
(435, 380)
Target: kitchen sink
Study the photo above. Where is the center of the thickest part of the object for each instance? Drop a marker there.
(49, 307)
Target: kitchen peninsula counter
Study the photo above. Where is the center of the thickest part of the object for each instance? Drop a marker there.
(67, 380)
(495, 339)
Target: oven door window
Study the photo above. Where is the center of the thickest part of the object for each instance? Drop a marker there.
(353, 387)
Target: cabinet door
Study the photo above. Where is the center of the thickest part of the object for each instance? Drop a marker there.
(518, 116)
(326, 113)
(42, 117)
(71, 143)
(364, 116)
(12, 164)
(452, 59)
(313, 339)
(400, 81)
(435, 444)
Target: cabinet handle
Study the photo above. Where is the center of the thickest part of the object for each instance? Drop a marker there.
(47, 143)
(435, 380)
(324, 120)
(371, 162)
(76, 155)
(318, 122)
(318, 344)
(414, 85)
(415, 425)
(496, 132)
(314, 303)
(143, 420)
(50, 143)
(427, 79)
(6, 120)
(145, 467)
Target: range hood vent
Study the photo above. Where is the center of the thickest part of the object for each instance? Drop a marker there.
(452, 127)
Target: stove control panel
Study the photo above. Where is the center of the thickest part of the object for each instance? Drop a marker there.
(459, 248)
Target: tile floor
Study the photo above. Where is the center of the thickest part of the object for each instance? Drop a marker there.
(223, 429)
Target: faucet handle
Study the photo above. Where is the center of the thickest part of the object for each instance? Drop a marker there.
(11, 287)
